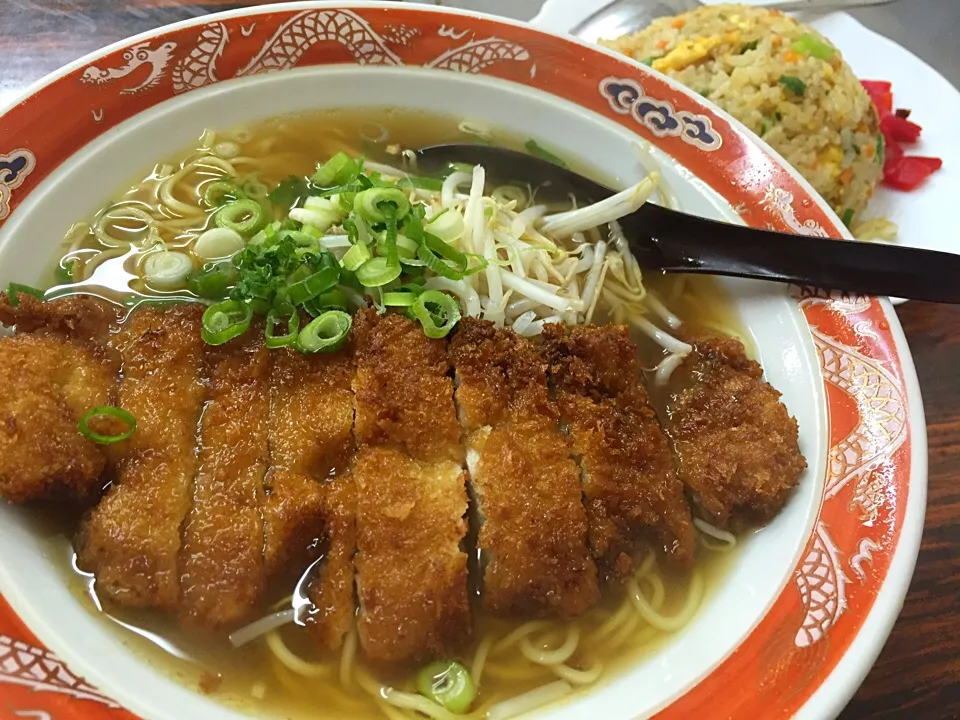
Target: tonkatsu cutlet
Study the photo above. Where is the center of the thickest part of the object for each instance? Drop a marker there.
(56, 368)
(533, 531)
(736, 444)
(131, 540)
(222, 554)
(310, 501)
(411, 494)
(631, 491)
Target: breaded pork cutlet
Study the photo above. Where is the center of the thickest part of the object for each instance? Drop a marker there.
(533, 530)
(310, 498)
(131, 540)
(736, 444)
(56, 368)
(411, 494)
(222, 555)
(631, 491)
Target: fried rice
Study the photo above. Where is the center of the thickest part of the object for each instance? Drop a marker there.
(785, 82)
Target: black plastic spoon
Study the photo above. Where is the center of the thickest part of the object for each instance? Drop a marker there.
(673, 241)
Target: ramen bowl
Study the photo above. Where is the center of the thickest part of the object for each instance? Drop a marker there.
(797, 616)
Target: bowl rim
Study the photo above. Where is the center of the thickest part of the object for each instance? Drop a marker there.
(838, 686)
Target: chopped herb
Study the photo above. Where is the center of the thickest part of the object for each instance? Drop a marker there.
(289, 192)
(705, 92)
(766, 124)
(648, 61)
(750, 46)
(65, 271)
(534, 149)
(881, 148)
(808, 44)
(847, 216)
(793, 84)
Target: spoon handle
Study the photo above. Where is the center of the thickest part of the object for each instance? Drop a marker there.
(676, 242)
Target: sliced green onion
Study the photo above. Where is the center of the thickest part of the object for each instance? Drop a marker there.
(648, 61)
(420, 183)
(65, 271)
(793, 84)
(338, 170)
(213, 281)
(243, 216)
(448, 225)
(335, 299)
(377, 272)
(437, 312)
(847, 217)
(225, 320)
(220, 193)
(402, 298)
(355, 257)
(113, 413)
(372, 205)
(390, 237)
(808, 44)
(326, 333)
(449, 684)
(441, 258)
(278, 316)
(538, 151)
(14, 290)
(325, 278)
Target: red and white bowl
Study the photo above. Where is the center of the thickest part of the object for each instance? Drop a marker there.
(808, 603)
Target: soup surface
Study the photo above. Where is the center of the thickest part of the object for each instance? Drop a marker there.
(282, 673)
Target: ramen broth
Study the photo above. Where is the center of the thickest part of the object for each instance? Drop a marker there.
(255, 678)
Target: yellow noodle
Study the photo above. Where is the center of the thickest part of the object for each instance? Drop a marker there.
(293, 661)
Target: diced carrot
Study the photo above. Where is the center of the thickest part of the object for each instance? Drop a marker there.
(869, 151)
(776, 42)
(678, 23)
(662, 44)
(846, 175)
(791, 57)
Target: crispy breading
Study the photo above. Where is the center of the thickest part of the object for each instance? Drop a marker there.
(737, 445)
(403, 393)
(79, 317)
(309, 502)
(411, 574)
(411, 494)
(631, 490)
(533, 530)
(52, 383)
(131, 540)
(222, 555)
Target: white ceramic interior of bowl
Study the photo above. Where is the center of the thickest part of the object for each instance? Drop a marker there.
(35, 588)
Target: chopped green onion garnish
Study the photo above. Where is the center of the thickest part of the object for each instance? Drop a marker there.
(14, 290)
(335, 299)
(373, 205)
(437, 312)
(793, 84)
(278, 316)
(242, 216)
(289, 192)
(400, 298)
(377, 272)
(112, 413)
(808, 44)
(534, 149)
(420, 183)
(848, 216)
(325, 278)
(65, 271)
(220, 193)
(648, 61)
(213, 281)
(326, 333)
(225, 320)
(338, 170)
(449, 684)
(355, 257)
(752, 45)
(441, 258)
(881, 148)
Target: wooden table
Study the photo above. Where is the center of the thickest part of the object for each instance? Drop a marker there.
(918, 673)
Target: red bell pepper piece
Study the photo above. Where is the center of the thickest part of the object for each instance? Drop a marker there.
(881, 93)
(900, 129)
(908, 173)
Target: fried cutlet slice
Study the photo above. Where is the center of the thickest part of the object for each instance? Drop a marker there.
(57, 368)
(309, 491)
(533, 530)
(411, 494)
(131, 540)
(630, 488)
(736, 443)
(411, 573)
(222, 556)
